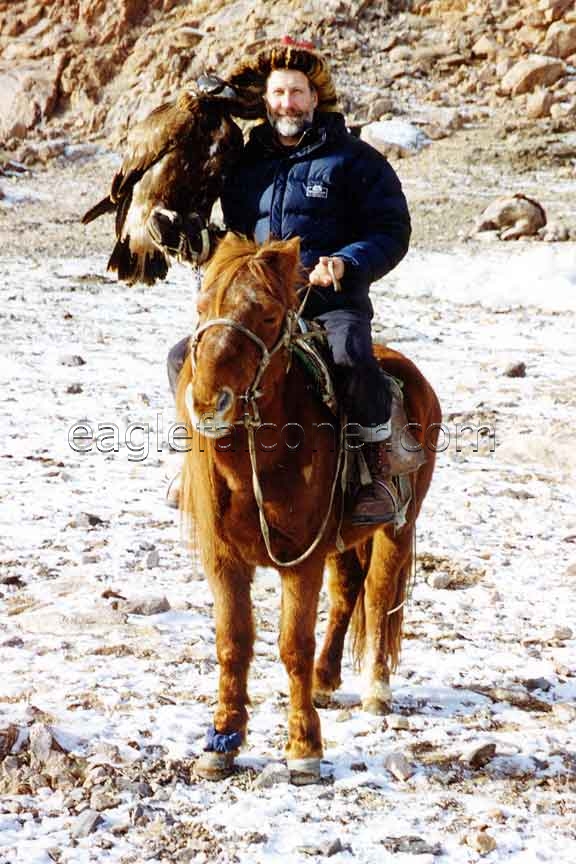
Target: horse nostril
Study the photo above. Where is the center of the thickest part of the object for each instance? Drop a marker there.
(224, 400)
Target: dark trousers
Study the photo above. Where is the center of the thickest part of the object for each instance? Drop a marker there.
(361, 387)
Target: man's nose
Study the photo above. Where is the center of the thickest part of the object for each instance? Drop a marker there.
(288, 100)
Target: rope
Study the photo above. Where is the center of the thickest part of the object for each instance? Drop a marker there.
(264, 528)
(335, 281)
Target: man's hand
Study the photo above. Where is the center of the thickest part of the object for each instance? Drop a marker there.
(322, 275)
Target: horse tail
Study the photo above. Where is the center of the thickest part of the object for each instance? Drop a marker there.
(358, 630)
(393, 621)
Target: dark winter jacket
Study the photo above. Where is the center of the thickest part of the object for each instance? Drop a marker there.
(338, 194)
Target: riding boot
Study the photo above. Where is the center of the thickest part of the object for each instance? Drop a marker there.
(406, 455)
(376, 503)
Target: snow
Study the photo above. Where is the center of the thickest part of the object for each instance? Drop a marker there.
(501, 519)
(543, 276)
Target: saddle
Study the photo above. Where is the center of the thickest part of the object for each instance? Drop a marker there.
(313, 353)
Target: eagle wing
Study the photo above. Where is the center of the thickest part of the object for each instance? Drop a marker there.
(176, 159)
(163, 130)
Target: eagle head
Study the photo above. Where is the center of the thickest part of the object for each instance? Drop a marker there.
(245, 102)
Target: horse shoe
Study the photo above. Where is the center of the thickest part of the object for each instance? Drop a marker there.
(304, 772)
(215, 766)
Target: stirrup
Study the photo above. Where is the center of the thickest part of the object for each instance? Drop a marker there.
(357, 517)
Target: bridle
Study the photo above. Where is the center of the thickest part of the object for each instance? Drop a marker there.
(251, 420)
(286, 339)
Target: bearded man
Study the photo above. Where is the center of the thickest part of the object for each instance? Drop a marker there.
(303, 174)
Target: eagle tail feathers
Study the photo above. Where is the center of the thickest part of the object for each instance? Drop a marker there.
(131, 267)
(106, 205)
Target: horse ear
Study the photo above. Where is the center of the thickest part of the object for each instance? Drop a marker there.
(283, 257)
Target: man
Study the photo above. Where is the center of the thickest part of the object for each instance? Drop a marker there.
(302, 173)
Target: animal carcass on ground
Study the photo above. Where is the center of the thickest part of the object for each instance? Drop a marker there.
(513, 216)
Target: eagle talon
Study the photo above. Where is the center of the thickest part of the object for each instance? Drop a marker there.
(165, 229)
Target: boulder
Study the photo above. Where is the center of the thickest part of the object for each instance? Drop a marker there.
(554, 9)
(538, 104)
(531, 37)
(394, 137)
(535, 71)
(381, 106)
(560, 40)
(485, 46)
(28, 95)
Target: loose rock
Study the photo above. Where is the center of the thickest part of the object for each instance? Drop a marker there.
(86, 823)
(397, 722)
(398, 765)
(148, 606)
(272, 774)
(537, 684)
(395, 136)
(536, 71)
(8, 737)
(478, 754)
(72, 360)
(439, 581)
(515, 370)
(482, 842)
(565, 712)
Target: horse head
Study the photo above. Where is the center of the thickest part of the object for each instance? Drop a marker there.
(245, 313)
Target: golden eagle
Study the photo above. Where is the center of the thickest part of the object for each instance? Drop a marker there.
(175, 163)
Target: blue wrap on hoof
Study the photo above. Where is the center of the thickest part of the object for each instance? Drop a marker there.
(218, 742)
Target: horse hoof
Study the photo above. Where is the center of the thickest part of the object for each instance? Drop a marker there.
(373, 705)
(304, 772)
(214, 766)
(322, 698)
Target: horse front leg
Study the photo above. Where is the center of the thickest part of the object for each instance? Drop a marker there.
(300, 591)
(230, 585)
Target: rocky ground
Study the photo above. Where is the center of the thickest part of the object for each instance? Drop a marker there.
(106, 638)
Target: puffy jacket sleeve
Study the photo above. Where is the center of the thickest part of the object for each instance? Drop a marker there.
(379, 217)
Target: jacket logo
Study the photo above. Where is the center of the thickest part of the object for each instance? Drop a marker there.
(316, 190)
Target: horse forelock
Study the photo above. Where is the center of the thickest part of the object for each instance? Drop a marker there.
(236, 254)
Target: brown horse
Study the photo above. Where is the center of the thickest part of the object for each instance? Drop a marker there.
(261, 487)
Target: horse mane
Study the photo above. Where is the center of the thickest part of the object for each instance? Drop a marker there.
(234, 252)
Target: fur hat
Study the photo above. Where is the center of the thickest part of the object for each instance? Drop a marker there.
(253, 72)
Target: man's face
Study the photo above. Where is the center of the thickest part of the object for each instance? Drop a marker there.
(290, 103)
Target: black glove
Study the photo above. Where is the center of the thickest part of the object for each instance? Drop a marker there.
(188, 238)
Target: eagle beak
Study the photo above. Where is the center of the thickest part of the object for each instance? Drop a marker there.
(211, 85)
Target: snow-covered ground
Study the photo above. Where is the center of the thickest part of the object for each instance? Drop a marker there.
(89, 556)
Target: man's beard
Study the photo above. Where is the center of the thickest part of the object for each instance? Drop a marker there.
(291, 126)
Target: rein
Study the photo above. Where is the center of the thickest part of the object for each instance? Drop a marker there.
(252, 420)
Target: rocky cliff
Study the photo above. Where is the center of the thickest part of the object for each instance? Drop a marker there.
(86, 69)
